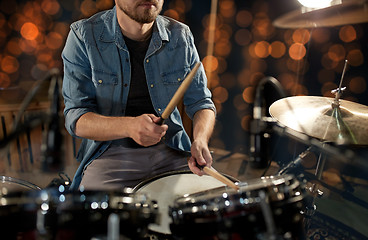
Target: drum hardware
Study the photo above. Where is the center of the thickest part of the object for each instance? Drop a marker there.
(259, 135)
(348, 12)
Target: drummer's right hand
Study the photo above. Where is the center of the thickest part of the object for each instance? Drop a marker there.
(146, 132)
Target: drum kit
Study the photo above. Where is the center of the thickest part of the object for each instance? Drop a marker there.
(182, 205)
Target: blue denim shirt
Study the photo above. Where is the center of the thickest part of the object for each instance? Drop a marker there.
(97, 77)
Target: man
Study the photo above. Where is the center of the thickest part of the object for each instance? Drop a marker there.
(121, 68)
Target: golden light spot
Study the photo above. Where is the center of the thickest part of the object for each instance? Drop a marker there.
(288, 37)
(213, 81)
(210, 63)
(287, 80)
(13, 47)
(261, 49)
(243, 37)
(44, 57)
(244, 77)
(104, 4)
(336, 52)
(277, 49)
(297, 66)
(172, 13)
(220, 94)
(218, 107)
(320, 35)
(227, 8)
(50, 7)
(222, 65)
(88, 7)
(27, 46)
(355, 57)
(54, 40)
(347, 33)
(245, 122)
(301, 36)
(9, 64)
(258, 65)
(297, 51)
(358, 85)
(263, 27)
(239, 103)
(4, 80)
(299, 90)
(248, 94)
(29, 31)
(244, 18)
(328, 63)
(222, 48)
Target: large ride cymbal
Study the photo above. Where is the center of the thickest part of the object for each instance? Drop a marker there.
(316, 117)
(347, 12)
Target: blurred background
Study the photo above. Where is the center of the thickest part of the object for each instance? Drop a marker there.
(246, 48)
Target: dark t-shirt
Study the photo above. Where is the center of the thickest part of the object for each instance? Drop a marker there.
(139, 100)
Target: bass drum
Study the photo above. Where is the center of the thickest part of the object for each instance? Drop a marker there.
(265, 208)
(167, 187)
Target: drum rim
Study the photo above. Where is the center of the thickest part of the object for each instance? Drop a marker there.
(21, 182)
(168, 174)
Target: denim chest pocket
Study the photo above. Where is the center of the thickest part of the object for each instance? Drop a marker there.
(105, 85)
(175, 77)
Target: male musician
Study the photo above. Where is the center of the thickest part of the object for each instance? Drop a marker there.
(121, 68)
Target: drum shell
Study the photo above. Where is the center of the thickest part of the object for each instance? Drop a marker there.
(223, 212)
(51, 214)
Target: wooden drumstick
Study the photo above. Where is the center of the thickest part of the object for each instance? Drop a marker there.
(179, 94)
(213, 173)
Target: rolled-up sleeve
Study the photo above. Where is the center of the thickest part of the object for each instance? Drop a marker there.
(78, 89)
(198, 95)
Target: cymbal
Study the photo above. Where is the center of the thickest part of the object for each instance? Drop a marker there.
(347, 12)
(316, 117)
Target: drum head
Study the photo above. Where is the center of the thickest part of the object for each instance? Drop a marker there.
(167, 187)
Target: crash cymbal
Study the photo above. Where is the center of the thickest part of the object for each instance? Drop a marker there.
(347, 12)
(316, 117)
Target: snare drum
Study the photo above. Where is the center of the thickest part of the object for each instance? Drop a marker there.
(269, 205)
(165, 188)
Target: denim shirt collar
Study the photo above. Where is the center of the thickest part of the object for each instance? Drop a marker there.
(112, 33)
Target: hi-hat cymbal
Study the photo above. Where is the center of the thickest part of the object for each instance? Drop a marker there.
(316, 117)
(347, 12)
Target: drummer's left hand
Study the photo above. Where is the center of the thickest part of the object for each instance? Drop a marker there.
(201, 155)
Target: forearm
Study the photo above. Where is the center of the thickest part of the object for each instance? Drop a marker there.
(203, 124)
(103, 128)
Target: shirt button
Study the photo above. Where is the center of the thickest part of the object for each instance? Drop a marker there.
(147, 61)
(100, 81)
(125, 85)
(179, 79)
(151, 85)
(159, 109)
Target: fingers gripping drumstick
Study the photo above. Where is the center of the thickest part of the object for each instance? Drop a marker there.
(179, 94)
(212, 172)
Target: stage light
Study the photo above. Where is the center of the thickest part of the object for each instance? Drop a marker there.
(316, 3)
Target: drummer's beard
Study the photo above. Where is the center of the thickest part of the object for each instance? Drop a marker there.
(139, 12)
